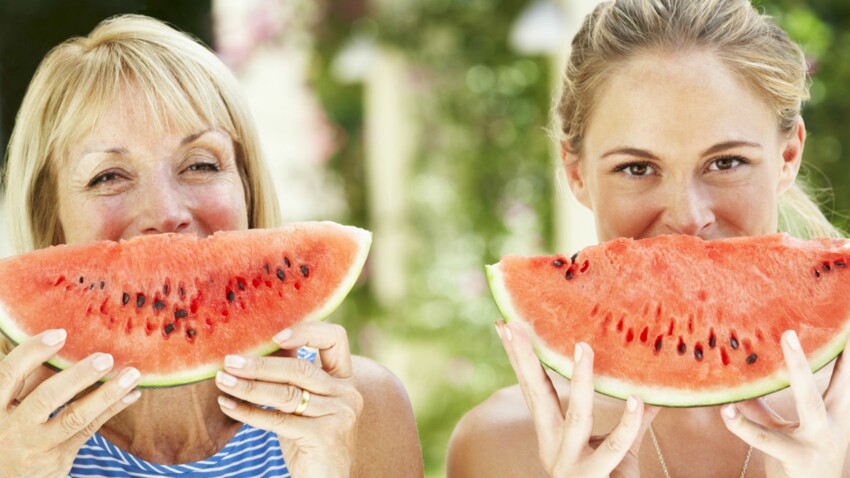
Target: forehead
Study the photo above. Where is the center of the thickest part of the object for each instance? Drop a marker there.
(676, 102)
(130, 113)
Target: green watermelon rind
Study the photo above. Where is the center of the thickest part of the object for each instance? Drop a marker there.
(364, 239)
(663, 396)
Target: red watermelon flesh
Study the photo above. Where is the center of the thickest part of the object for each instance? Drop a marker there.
(680, 321)
(173, 305)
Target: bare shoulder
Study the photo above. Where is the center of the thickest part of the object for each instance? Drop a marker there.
(497, 437)
(387, 440)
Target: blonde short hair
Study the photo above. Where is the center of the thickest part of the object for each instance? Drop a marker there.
(749, 43)
(184, 83)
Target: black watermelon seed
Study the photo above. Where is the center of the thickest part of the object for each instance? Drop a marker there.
(569, 274)
(169, 328)
(817, 274)
(840, 264)
(682, 348)
(125, 298)
(658, 343)
(240, 284)
(191, 332)
(698, 353)
(751, 359)
(286, 261)
(102, 285)
(305, 271)
(266, 267)
(231, 296)
(182, 291)
(733, 342)
(91, 286)
(82, 279)
(281, 275)
(180, 313)
(712, 341)
(158, 304)
(140, 300)
(573, 258)
(825, 267)
(558, 263)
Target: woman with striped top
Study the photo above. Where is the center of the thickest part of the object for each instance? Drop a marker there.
(137, 129)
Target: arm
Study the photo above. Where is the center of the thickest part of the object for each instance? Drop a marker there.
(387, 441)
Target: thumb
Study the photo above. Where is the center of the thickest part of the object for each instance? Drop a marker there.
(629, 467)
(649, 414)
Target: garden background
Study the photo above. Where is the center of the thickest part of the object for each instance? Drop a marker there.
(427, 122)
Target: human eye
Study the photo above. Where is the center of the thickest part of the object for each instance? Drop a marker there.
(104, 178)
(726, 163)
(635, 169)
(203, 166)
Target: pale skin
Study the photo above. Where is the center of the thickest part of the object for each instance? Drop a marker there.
(124, 180)
(675, 144)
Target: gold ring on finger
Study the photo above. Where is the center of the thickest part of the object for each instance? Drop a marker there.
(302, 404)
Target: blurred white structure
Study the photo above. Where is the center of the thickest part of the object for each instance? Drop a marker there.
(356, 60)
(267, 43)
(575, 227)
(541, 28)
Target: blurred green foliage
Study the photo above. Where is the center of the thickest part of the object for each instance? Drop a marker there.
(482, 183)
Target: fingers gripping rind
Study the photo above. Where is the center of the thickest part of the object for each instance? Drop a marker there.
(23, 360)
(330, 339)
(810, 406)
(537, 389)
(578, 422)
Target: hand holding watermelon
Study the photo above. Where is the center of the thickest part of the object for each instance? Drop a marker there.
(567, 448)
(316, 433)
(817, 444)
(33, 444)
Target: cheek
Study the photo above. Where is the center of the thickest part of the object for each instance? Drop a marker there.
(105, 218)
(222, 207)
(625, 215)
(750, 210)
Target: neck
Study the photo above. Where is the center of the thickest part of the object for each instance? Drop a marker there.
(173, 425)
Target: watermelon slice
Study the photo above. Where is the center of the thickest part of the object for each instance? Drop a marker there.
(680, 321)
(173, 305)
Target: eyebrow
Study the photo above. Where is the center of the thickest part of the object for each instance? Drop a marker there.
(719, 147)
(121, 150)
(194, 136)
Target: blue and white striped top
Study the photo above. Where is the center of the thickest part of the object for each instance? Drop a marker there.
(252, 453)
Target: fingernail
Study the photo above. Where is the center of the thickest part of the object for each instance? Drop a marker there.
(793, 340)
(631, 404)
(235, 361)
(282, 336)
(225, 379)
(102, 362)
(132, 396)
(53, 337)
(226, 403)
(498, 330)
(128, 378)
(508, 334)
(578, 353)
(730, 411)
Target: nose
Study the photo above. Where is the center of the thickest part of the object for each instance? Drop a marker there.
(162, 208)
(688, 209)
